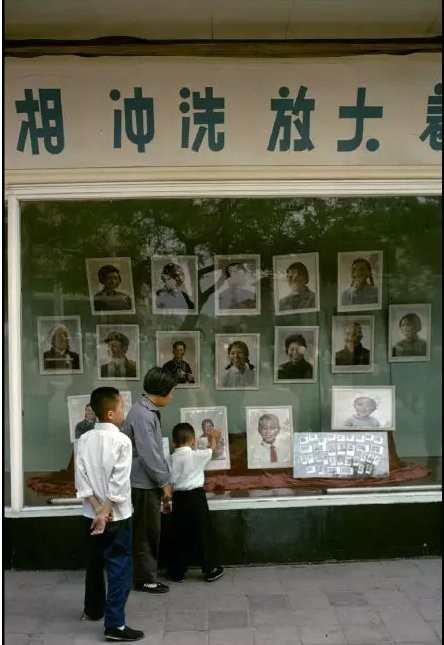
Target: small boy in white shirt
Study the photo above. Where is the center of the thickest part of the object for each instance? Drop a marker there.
(191, 516)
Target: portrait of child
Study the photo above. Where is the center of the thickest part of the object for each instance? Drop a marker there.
(371, 407)
(269, 437)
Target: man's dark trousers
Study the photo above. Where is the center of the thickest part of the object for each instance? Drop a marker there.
(146, 533)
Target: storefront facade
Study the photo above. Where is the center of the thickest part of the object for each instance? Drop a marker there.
(232, 177)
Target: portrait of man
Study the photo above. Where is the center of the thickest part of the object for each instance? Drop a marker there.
(237, 284)
(174, 284)
(179, 354)
(204, 421)
(269, 437)
(60, 345)
(81, 416)
(110, 285)
(409, 333)
(359, 280)
(118, 351)
(352, 344)
(296, 283)
(87, 423)
(296, 354)
(363, 408)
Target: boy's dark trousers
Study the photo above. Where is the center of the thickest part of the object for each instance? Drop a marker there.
(192, 532)
(110, 551)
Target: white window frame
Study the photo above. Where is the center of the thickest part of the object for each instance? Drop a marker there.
(25, 190)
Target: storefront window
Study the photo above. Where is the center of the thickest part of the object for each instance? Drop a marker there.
(298, 313)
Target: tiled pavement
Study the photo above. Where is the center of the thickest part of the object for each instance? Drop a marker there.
(359, 603)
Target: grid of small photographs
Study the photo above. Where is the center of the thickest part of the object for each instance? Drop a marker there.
(365, 412)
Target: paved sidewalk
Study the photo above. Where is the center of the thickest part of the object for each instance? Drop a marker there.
(359, 603)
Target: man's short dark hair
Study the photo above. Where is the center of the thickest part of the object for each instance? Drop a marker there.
(179, 342)
(104, 399)
(121, 338)
(182, 433)
(159, 382)
(105, 270)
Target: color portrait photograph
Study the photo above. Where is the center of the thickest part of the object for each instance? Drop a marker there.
(352, 344)
(179, 354)
(81, 415)
(60, 345)
(237, 285)
(409, 333)
(269, 437)
(296, 283)
(110, 284)
(296, 354)
(359, 280)
(204, 422)
(237, 361)
(118, 352)
(370, 407)
(174, 284)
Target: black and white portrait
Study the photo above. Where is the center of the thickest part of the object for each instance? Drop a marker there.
(370, 407)
(296, 354)
(81, 415)
(179, 354)
(237, 362)
(118, 352)
(359, 280)
(352, 344)
(60, 345)
(174, 284)
(296, 283)
(269, 437)
(110, 283)
(237, 285)
(204, 422)
(409, 333)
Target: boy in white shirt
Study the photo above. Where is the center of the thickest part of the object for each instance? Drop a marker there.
(102, 475)
(191, 516)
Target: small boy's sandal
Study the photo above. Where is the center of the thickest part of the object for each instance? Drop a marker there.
(151, 587)
(214, 574)
(125, 635)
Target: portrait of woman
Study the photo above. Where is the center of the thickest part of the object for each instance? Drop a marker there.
(359, 280)
(60, 348)
(110, 286)
(204, 421)
(296, 352)
(296, 280)
(237, 285)
(237, 360)
(409, 333)
(174, 284)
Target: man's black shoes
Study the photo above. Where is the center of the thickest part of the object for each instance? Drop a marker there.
(151, 587)
(125, 635)
(214, 574)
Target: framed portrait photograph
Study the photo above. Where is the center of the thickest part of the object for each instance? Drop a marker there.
(174, 284)
(269, 437)
(237, 287)
(296, 354)
(204, 420)
(352, 344)
(359, 280)
(81, 415)
(336, 454)
(370, 407)
(110, 285)
(237, 361)
(118, 352)
(409, 333)
(59, 341)
(296, 283)
(178, 352)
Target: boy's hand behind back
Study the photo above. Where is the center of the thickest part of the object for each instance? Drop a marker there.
(98, 525)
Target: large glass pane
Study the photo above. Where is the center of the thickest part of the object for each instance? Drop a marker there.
(58, 238)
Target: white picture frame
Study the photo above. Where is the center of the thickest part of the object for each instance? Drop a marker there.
(118, 348)
(60, 347)
(240, 372)
(259, 454)
(416, 319)
(237, 285)
(304, 267)
(98, 271)
(292, 361)
(165, 341)
(76, 409)
(174, 285)
(346, 416)
(368, 265)
(346, 330)
(218, 415)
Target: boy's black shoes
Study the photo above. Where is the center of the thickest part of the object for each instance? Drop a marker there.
(125, 635)
(214, 574)
(151, 587)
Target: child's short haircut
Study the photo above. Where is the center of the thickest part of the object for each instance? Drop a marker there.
(104, 399)
(367, 398)
(182, 433)
(158, 382)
